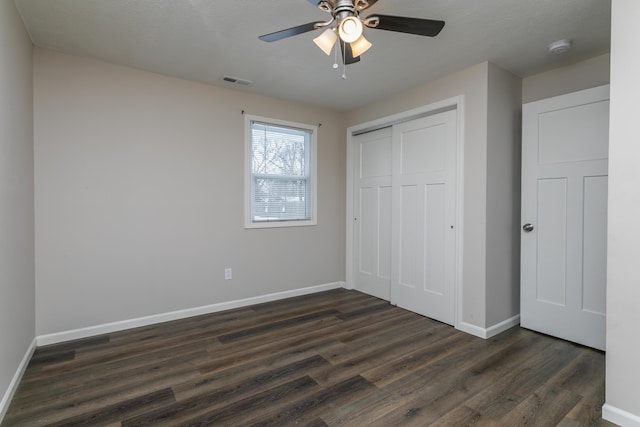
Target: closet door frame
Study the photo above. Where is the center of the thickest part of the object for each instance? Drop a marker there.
(454, 103)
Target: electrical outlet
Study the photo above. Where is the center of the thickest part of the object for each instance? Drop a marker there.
(228, 274)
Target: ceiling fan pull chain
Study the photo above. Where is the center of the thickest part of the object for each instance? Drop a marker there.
(344, 60)
(335, 57)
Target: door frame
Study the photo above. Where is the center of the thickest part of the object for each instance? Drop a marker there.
(455, 103)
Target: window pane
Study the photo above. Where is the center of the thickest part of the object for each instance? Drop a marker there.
(278, 151)
(280, 199)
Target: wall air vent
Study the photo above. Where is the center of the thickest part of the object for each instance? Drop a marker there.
(237, 80)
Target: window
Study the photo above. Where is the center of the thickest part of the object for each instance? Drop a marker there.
(281, 171)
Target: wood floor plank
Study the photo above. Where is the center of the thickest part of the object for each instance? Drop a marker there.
(77, 375)
(375, 356)
(382, 336)
(382, 305)
(299, 343)
(502, 396)
(113, 413)
(583, 376)
(71, 367)
(462, 416)
(225, 414)
(292, 350)
(274, 326)
(97, 387)
(588, 411)
(205, 402)
(60, 409)
(292, 335)
(252, 369)
(318, 422)
(546, 406)
(443, 395)
(52, 354)
(221, 320)
(412, 361)
(374, 330)
(335, 358)
(308, 408)
(372, 407)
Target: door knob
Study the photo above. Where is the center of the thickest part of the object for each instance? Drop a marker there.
(527, 227)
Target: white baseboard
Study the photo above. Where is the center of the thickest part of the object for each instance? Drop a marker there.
(15, 381)
(472, 329)
(180, 314)
(620, 417)
(491, 331)
(498, 328)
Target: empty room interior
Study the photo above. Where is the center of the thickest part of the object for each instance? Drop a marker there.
(320, 212)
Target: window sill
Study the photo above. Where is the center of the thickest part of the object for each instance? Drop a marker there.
(280, 224)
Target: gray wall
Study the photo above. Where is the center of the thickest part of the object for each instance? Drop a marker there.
(503, 195)
(139, 184)
(581, 75)
(623, 276)
(17, 316)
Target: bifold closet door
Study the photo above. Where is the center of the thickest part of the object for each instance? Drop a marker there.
(423, 216)
(405, 198)
(372, 213)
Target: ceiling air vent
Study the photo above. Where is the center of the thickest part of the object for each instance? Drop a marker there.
(237, 80)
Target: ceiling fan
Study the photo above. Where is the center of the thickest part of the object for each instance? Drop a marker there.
(347, 26)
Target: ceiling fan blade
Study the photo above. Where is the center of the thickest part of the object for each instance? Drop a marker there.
(347, 54)
(289, 32)
(400, 24)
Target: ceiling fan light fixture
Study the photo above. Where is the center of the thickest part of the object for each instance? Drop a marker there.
(350, 29)
(326, 40)
(360, 46)
(346, 27)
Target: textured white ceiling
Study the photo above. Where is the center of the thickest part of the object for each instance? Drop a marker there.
(203, 40)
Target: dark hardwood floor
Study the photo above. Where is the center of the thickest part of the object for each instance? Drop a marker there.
(338, 358)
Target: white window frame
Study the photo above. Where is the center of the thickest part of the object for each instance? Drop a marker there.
(249, 177)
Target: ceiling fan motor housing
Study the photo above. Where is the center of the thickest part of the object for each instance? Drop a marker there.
(343, 9)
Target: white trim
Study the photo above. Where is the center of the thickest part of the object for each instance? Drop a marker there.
(419, 111)
(458, 102)
(491, 331)
(349, 236)
(499, 328)
(619, 416)
(460, 108)
(180, 314)
(15, 381)
(472, 329)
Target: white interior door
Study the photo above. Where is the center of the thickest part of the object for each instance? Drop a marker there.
(423, 216)
(372, 211)
(564, 216)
